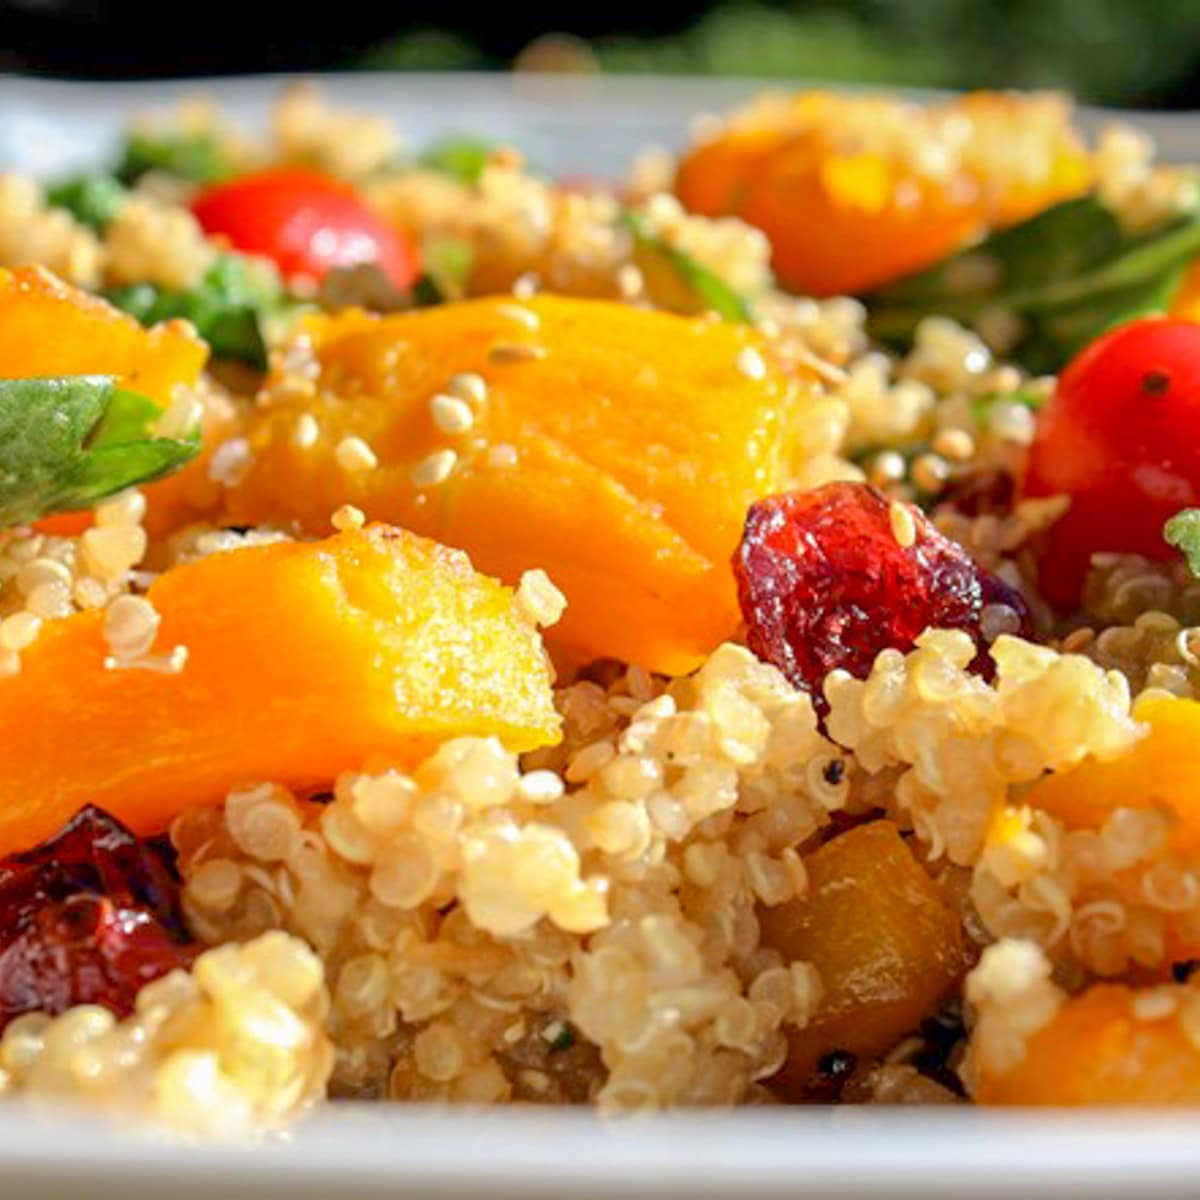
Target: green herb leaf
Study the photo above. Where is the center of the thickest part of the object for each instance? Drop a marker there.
(231, 308)
(1183, 532)
(462, 156)
(67, 442)
(194, 156)
(707, 286)
(447, 263)
(1069, 274)
(93, 200)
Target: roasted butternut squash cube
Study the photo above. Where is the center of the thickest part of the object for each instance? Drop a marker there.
(885, 944)
(616, 448)
(302, 660)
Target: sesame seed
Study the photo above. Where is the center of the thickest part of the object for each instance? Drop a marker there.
(904, 528)
(515, 352)
(520, 314)
(538, 599)
(353, 454)
(751, 364)
(450, 414)
(347, 517)
(502, 455)
(468, 386)
(307, 431)
(434, 468)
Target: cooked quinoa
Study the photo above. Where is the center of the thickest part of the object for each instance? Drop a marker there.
(593, 917)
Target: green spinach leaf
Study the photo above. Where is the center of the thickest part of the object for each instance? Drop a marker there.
(1068, 274)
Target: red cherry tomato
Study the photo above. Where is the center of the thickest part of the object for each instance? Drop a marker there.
(1121, 437)
(308, 223)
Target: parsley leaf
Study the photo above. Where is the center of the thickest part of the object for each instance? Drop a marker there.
(462, 157)
(69, 441)
(231, 308)
(1183, 532)
(93, 200)
(194, 156)
(706, 285)
(1070, 273)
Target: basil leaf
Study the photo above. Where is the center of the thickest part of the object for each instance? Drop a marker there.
(1069, 274)
(1183, 532)
(231, 308)
(67, 442)
(707, 286)
(194, 156)
(462, 157)
(93, 200)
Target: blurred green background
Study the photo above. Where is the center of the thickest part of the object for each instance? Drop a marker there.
(1127, 52)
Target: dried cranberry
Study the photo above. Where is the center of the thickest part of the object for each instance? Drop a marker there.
(87, 918)
(981, 493)
(824, 583)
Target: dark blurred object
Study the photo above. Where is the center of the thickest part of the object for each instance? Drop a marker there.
(1126, 52)
(133, 38)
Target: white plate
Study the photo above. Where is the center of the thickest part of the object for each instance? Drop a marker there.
(407, 1153)
(581, 123)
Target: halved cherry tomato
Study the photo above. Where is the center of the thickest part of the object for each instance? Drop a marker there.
(1121, 437)
(307, 222)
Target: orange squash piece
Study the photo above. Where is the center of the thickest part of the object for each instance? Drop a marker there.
(857, 191)
(48, 327)
(616, 448)
(1097, 1051)
(1162, 771)
(885, 944)
(303, 659)
(1186, 301)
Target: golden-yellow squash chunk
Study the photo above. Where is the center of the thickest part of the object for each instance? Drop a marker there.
(614, 447)
(302, 660)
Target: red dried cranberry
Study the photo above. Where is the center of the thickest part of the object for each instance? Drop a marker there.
(823, 583)
(87, 918)
(981, 493)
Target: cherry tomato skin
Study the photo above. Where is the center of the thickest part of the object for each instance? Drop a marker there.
(1121, 437)
(306, 222)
